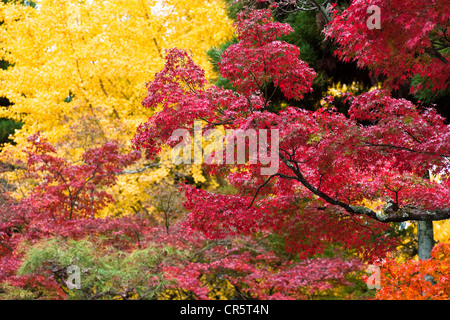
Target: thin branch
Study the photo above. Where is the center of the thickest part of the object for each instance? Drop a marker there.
(390, 146)
(259, 188)
(6, 246)
(72, 203)
(413, 137)
(148, 166)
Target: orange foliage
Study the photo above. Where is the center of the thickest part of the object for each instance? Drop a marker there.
(406, 281)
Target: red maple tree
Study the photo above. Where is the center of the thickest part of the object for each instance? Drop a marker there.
(329, 163)
(62, 205)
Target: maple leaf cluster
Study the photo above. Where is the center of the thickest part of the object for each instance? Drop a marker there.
(407, 43)
(248, 268)
(259, 58)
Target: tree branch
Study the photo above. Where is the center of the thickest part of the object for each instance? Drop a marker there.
(259, 188)
(390, 212)
(434, 53)
(151, 165)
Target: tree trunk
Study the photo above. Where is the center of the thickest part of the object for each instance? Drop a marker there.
(426, 242)
(425, 239)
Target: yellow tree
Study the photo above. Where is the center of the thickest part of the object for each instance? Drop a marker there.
(79, 69)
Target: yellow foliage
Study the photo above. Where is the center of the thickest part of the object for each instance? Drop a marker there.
(197, 174)
(102, 54)
(441, 228)
(442, 231)
(219, 289)
(338, 89)
(79, 70)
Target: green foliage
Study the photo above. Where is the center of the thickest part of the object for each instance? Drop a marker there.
(357, 290)
(427, 95)
(214, 55)
(306, 35)
(22, 2)
(10, 292)
(105, 273)
(235, 7)
(7, 128)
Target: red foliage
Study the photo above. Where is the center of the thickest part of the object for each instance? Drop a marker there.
(381, 151)
(63, 204)
(404, 46)
(253, 271)
(329, 164)
(306, 230)
(259, 58)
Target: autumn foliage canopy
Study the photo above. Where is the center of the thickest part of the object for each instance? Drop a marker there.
(344, 180)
